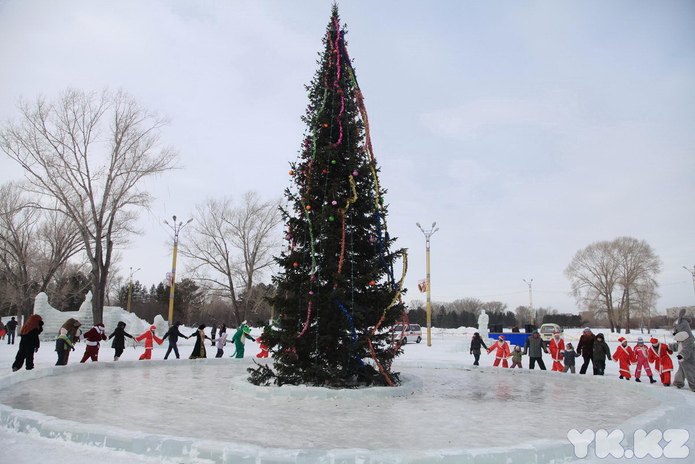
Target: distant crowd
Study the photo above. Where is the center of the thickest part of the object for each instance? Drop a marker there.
(71, 333)
(593, 350)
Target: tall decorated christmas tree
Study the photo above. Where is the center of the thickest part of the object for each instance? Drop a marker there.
(337, 292)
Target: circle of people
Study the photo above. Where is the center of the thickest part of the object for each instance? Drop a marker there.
(595, 351)
(71, 333)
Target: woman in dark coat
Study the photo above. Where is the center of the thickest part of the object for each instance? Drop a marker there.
(199, 348)
(119, 336)
(28, 343)
(476, 343)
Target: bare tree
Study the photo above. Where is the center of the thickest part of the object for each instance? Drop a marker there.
(605, 273)
(34, 244)
(639, 266)
(90, 153)
(230, 246)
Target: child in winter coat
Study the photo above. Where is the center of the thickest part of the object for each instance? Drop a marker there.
(63, 345)
(150, 337)
(516, 357)
(623, 354)
(569, 357)
(601, 352)
(221, 341)
(640, 356)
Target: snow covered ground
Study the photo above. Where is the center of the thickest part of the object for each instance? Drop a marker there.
(448, 406)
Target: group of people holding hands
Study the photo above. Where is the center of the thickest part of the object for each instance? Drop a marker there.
(592, 348)
(70, 333)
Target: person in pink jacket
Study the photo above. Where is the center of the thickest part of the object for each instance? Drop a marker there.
(150, 337)
(503, 351)
(624, 355)
(640, 356)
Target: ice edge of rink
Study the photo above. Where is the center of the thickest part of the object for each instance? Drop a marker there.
(674, 411)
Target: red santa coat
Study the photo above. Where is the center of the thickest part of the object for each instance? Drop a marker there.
(503, 352)
(149, 338)
(556, 348)
(661, 357)
(94, 335)
(624, 355)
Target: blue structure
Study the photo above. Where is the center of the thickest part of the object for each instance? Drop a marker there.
(514, 338)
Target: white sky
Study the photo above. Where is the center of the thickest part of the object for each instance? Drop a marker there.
(526, 130)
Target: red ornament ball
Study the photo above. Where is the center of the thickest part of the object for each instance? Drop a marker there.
(295, 264)
(308, 207)
(372, 282)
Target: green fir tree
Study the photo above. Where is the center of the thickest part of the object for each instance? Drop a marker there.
(339, 287)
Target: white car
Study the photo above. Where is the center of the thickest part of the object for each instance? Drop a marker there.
(412, 332)
(547, 331)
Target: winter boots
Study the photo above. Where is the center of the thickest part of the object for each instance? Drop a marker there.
(651, 379)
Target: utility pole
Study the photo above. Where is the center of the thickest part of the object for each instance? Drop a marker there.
(530, 297)
(693, 273)
(130, 286)
(176, 228)
(428, 234)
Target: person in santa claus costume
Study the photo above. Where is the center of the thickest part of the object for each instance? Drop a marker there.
(150, 337)
(556, 347)
(503, 352)
(640, 356)
(624, 355)
(92, 338)
(660, 355)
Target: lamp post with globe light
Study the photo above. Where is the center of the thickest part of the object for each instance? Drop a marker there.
(176, 228)
(428, 234)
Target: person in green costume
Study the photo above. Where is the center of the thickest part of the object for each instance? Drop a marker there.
(240, 336)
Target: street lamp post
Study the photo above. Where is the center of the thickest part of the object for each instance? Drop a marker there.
(693, 273)
(428, 234)
(530, 297)
(176, 228)
(130, 286)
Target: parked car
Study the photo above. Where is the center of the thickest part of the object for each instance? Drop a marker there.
(412, 332)
(547, 331)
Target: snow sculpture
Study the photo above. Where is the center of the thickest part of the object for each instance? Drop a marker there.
(483, 321)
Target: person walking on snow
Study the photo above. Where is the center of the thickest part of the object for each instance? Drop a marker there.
(585, 348)
(569, 356)
(534, 347)
(640, 356)
(173, 335)
(601, 353)
(556, 347)
(199, 347)
(150, 337)
(516, 357)
(63, 345)
(660, 355)
(221, 341)
(240, 337)
(29, 342)
(92, 338)
(119, 336)
(11, 326)
(624, 355)
(476, 343)
(685, 347)
(503, 352)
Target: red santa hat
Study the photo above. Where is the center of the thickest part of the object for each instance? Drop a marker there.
(654, 341)
(501, 337)
(621, 339)
(100, 327)
(153, 327)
